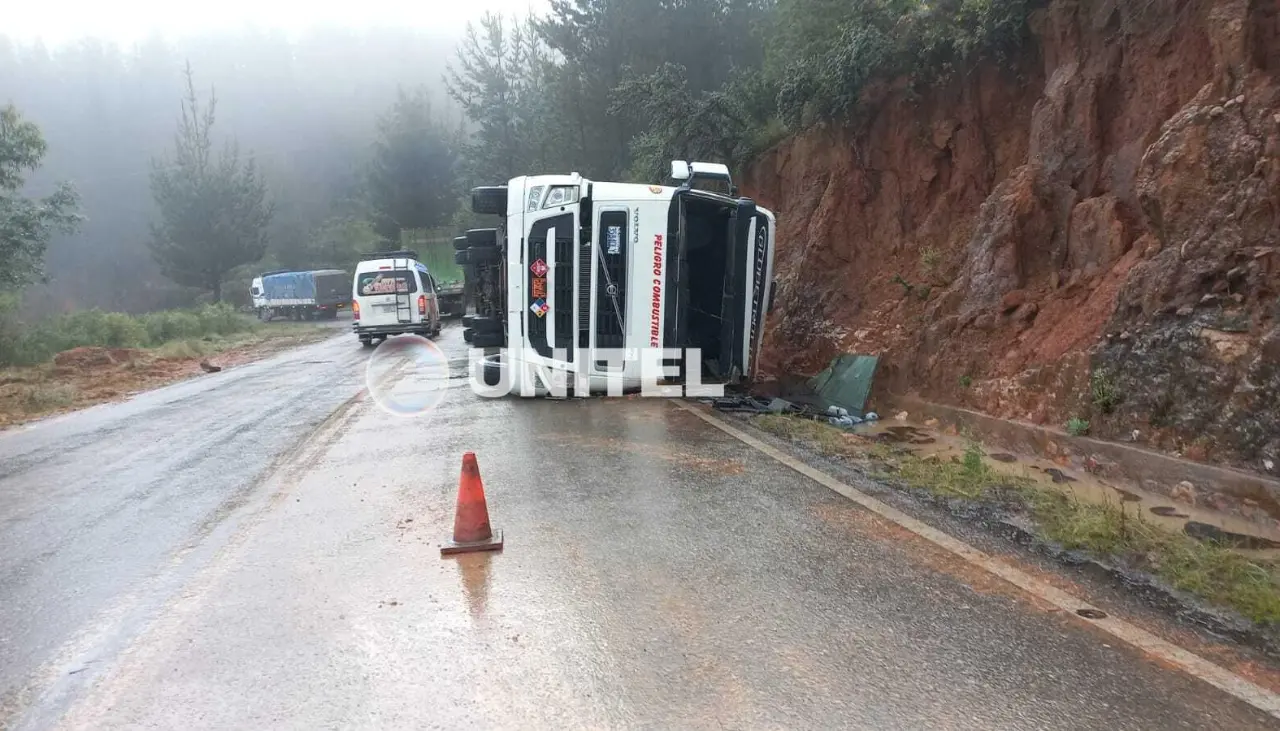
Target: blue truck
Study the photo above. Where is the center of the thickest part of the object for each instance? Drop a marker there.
(313, 295)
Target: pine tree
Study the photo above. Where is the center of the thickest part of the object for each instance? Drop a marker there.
(413, 178)
(214, 211)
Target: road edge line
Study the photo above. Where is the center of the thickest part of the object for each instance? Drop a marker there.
(1187, 661)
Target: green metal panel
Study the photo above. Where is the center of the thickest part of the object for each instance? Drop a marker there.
(846, 382)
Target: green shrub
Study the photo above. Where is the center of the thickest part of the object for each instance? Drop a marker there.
(973, 459)
(171, 325)
(1077, 427)
(220, 319)
(1106, 395)
(881, 39)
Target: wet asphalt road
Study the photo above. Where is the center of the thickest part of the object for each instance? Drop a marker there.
(162, 573)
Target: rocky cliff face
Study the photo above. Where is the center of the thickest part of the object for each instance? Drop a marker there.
(1092, 231)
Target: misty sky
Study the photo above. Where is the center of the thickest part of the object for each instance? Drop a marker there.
(125, 21)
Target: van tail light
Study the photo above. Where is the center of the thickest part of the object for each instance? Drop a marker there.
(355, 310)
(422, 304)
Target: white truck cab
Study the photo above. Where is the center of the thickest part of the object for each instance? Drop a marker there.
(393, 293)
(581, 281)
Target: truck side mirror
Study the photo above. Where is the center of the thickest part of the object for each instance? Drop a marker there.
(733, 191)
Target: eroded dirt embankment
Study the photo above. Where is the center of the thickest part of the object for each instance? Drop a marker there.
(1091, 231)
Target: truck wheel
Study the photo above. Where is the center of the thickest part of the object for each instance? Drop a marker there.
(489, 199)
(491, 370)
(483, 254)
(478, 237)
(487, 340)
(467, 335)
(486, 325)
(264, 314)
(460, 243)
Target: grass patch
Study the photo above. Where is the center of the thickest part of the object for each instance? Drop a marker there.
(48, 396)
(24, 344)
(1212, 572)
(1077, 427)
(1215, 573)
(824, 437)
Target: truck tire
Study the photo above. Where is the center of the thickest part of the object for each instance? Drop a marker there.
(462, 258)
(489, 199)
(483, 255)
(491, 370)
(486, 325)
(487, 340)
(467, 335)
(478, 237)
(460, 243)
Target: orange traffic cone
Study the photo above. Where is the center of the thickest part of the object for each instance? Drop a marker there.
(471, 531)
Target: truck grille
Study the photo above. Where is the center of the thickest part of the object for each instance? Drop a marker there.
(564, 299)
(611, 280)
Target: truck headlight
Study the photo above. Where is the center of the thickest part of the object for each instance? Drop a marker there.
(535, 198)
(561, 195)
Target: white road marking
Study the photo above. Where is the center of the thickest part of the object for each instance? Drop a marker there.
(1187, 661)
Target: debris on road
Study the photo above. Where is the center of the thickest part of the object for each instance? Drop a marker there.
(846, 383)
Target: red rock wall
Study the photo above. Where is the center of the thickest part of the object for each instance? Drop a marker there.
(1088, 214)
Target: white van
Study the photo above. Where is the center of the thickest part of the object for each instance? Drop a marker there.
(583, 280)
(392, 294)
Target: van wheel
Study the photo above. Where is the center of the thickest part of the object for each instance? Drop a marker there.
(489, 199)
(366, 342)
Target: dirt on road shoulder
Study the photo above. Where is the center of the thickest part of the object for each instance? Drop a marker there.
(83, 377)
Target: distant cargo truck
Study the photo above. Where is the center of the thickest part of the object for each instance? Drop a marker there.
(313, 295)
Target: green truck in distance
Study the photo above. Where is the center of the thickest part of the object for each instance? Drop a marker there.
(435, 250)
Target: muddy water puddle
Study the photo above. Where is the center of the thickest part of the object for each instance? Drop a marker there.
(1256, 540)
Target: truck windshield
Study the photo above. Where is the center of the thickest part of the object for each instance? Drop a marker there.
(388, 281)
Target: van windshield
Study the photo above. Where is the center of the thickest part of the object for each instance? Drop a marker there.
(387, 281)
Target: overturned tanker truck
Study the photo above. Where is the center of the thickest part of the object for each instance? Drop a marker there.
(586, 286)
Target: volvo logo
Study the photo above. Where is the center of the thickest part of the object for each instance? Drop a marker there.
(611, 290)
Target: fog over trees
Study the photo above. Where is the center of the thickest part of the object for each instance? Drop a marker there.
(306, 111)
(357, 133)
